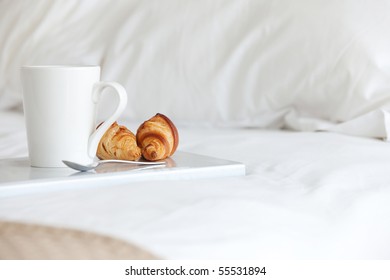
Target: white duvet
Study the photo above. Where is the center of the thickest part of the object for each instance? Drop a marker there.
(306, 65)
(305, 196)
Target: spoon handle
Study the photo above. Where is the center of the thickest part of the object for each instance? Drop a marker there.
(132, 162)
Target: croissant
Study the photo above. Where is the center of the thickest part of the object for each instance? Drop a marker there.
(158, 138)
(118, 143)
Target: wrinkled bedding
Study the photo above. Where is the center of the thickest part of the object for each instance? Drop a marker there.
(307, 65)
(305, 196)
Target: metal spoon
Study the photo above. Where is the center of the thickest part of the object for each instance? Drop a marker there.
(83, 168)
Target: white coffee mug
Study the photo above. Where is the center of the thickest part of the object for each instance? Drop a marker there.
(60, 104)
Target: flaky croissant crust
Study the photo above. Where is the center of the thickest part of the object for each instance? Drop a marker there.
(118, 143)
(157, 137)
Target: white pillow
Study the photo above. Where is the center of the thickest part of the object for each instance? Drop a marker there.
(303, 64)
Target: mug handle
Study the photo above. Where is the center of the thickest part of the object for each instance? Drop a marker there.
(97, 90)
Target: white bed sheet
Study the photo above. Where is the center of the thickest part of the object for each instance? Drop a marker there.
(305, 196)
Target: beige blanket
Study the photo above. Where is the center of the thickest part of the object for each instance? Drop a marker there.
(32, 241)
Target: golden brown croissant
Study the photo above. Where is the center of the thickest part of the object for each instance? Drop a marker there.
(158, 138)
(118, 143)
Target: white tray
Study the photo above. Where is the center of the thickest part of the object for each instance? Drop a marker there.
(17, 177)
